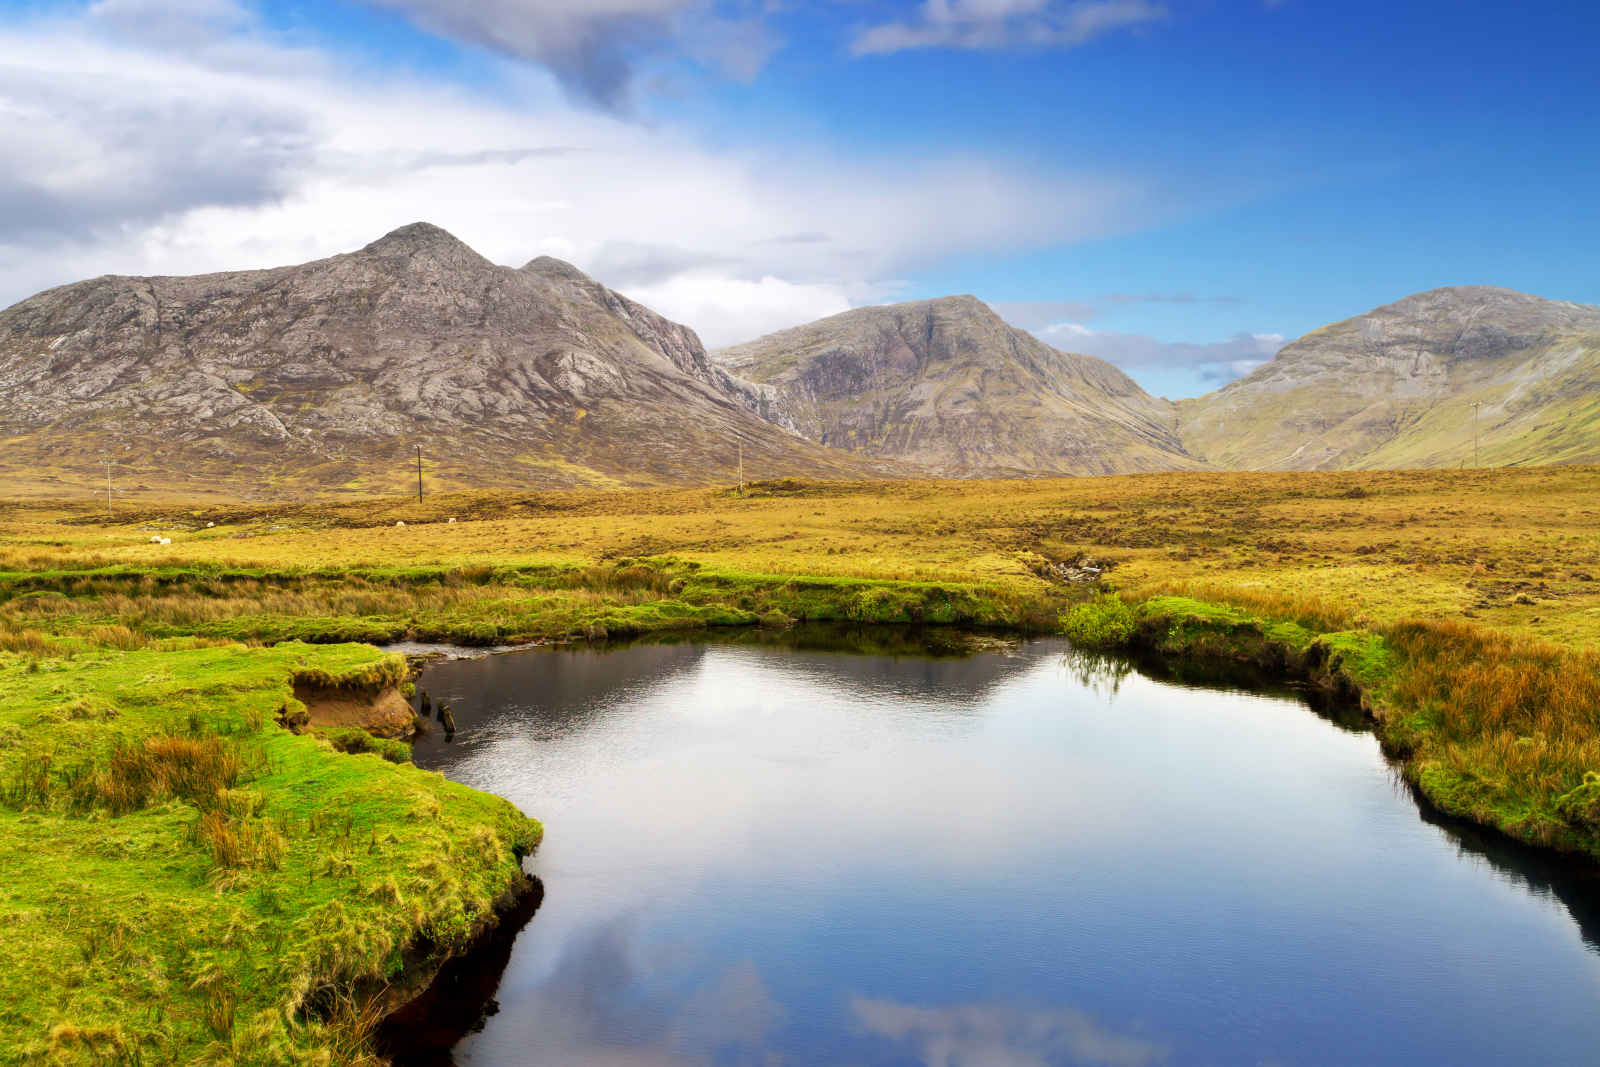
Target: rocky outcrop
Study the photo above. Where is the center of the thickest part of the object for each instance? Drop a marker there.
(1412, 384)
(949, 386)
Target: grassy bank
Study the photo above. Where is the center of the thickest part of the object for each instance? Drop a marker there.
(185, 880)
(472, 605)
(1491, 727)
(1463, 606)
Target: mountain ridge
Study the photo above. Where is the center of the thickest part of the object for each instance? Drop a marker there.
(327, 373)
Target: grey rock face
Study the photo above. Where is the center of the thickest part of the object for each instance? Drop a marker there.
(949, 386)
(329, 370)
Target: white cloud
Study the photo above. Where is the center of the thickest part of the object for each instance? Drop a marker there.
(987, 24)
(214, 145)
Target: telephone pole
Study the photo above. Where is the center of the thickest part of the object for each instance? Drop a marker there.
(108, 489)
(741, 465)
(419, 474)
(1475, 406)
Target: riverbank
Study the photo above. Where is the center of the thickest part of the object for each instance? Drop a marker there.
(1459, 605)
(187, 880)
(1491, 728)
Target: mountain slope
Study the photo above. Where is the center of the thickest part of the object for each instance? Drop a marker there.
(1396, 387)
(948, 385)
(328, 373)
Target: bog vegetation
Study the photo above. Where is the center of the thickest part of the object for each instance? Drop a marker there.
(184, 877)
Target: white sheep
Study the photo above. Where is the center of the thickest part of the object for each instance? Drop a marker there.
(164, 540)
(210, 525)
(400, 522)
(155, 539)
(451, 519)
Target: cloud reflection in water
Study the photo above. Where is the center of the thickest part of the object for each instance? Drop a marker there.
(1003, 1035)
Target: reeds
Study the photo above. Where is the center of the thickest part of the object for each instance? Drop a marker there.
(236, 842)
(1477, 682)
(132, 776)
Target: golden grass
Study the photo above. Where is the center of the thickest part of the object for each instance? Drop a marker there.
(1517, 550)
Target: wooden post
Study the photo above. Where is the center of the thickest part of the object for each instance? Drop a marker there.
(1475, 406)
(108, 490)
(419, 474)
(741, 466)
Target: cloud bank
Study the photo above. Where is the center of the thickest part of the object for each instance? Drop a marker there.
(186, 136)
(203, 142)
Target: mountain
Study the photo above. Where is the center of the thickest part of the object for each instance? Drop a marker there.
(947, 385)
(1398, 387)
(328, 374)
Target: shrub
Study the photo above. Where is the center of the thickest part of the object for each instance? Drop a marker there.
(1104, 622)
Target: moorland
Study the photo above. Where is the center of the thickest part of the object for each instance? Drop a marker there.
(189, 879)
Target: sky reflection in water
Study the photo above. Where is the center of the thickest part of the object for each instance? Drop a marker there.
(772, 856)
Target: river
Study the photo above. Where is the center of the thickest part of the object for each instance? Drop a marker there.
(829, 850)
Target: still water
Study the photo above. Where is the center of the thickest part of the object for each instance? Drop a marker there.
(769, 854)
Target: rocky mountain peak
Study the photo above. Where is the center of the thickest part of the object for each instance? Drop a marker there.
(947, 384)
(551, 266)
(427, 243)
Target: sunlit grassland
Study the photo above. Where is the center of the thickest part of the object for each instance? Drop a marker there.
(1517, 550)
(1464, 604)
(185, 881)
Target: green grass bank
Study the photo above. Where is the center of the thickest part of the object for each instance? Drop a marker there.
(186, 881)
(1494, 728)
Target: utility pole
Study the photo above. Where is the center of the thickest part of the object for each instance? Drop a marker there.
(1475, 406)
(108, 489)
(741, 465)
(419, 474)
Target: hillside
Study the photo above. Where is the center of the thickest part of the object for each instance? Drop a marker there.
(1397, 387)
(949, 386)
(328, 374)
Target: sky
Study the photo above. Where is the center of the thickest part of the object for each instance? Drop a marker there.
(1178, 186)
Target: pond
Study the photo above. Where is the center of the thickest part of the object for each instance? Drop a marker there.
(840, 851)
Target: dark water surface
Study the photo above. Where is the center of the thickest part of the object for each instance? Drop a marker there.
(772, 855)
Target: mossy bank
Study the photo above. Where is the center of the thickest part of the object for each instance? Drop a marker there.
(189, 881)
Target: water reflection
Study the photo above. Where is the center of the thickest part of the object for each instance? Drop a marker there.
(1008, 855)
(993, 1035)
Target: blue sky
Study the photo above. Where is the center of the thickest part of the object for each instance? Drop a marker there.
(1175, 185)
